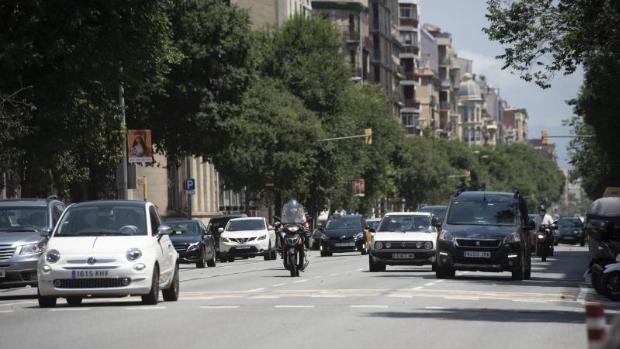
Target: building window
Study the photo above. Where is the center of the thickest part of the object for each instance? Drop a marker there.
(377, 74)
(352, 58)
(405, 12)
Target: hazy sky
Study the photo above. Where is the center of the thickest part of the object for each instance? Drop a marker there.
(547, 108)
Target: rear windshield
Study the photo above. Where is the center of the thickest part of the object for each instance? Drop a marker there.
(482, 212)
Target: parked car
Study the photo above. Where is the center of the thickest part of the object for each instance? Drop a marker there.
(404, 238)
(193, 242)
(215, 223)
(315, 239)
(486, 231)
(108, 248)
(24, 226)
(571, 231)
(343, 234)
(438, 211)
(247, 237)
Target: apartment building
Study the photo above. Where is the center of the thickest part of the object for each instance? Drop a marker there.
(409, 37)
(515, 125)
(427, 93)
(352, 19)
(273, 12)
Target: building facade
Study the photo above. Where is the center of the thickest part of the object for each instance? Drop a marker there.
(515, 125)
(273, 12)
(409, 37)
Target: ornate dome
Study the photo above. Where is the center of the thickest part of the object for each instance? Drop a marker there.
(469, 89)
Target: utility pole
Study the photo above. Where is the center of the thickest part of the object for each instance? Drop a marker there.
(121, 102)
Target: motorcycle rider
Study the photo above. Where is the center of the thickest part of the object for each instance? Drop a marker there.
(295, 214)
(543, 218)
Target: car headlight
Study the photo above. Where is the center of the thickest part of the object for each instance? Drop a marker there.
(52, 256)
(30, 249)
(428, 245)
(133, 254)
(224, 239)
(262, 237)
(293, 228)
(378, 245)
(514, 237)
(446, 236)
(193, 246)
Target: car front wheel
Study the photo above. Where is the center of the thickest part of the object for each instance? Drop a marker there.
(171, 294)
(153, 296)
(46, 301)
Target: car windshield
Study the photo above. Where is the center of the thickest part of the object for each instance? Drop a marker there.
(344, 223)
(22, 218)
(184, 227)
(482, 212)
(373, 224)
(570, 223)
(246, 224)
(103, 220)
(406, 223)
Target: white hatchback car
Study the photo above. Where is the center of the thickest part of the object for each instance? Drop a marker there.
(108, 248)
(403, 238)
(247, 237)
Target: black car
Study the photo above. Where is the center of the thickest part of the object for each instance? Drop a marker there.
(485, 231)
(193, 242)
(438, 211)
(343, 234)
(571, 231)
(315, 239)
(218, 222)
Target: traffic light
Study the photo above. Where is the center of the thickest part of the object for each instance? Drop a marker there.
(544, 136)
(368, 136)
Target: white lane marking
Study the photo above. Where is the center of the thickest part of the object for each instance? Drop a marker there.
(438, 281)
(418, 288)
(326, 296)
(429, 284)
(583, 294)
(399, 295)
(278, 285)
(462, 298)
(219, 307)
(18, 303)
(145, 308)
(256, 290)
(435, 308)
(368, 306)
(360, 269)
(293, 306)
(529, 301)
(300, 281)
(264, 297)
(6, 311)
(69, 309)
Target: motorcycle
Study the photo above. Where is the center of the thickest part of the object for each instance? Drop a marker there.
(603, 236)
(292, 236)
(544, 242)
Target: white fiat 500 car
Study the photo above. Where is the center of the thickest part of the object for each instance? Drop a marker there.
(108, 248)
(247, 237)
(403, 238)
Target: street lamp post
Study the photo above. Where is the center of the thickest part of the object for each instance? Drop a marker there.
(121, 102)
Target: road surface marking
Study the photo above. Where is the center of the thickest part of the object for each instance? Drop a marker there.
(435, 308)
(361, 306)
(278, 285)
(418, 288)
(145, 308)
(438, 281)
(399, 295)
(529, 301)
(6, 311)
(429, 284)
(300, 281)
(219, 307)
(327, 296)
(264, 297)
(293, 306)
(69, 309)
(18, 303)
(462, 298)
(360, 269)
(256, 290)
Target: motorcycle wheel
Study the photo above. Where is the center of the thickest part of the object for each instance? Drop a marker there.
(293, 266)
(610, 283)
(596, 283)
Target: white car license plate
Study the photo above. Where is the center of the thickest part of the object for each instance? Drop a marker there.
(403, 255)
(2, 273)
(344, 244)
(478, 254)
(243, 247)
(88, 274)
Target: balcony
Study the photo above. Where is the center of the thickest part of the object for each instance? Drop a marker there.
(445, 105)
(409, 21)
(411, 103)
(410, 48)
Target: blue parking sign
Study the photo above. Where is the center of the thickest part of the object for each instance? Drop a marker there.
(190, 185)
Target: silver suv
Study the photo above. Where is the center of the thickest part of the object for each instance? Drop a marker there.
(24, 225)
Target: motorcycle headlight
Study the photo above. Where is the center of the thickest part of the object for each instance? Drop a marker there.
(52, 256)
(446, 236)
(293, 228)
(193, 246)
(133, 254)
(541, 236)
(428, 245)
(378, 245)
(30, 249)
(262, 237)
(514, 237)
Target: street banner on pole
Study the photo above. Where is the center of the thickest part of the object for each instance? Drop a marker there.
(359, 187)
(139, 146)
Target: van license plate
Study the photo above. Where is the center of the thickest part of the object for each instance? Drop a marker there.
(478, 254)
(403, 255)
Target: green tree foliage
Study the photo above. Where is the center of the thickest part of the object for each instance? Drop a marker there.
(543, 37)
(66, 56)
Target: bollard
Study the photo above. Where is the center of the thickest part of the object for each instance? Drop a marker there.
(595, 321)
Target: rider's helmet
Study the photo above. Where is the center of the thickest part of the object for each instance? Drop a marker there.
(542, 209)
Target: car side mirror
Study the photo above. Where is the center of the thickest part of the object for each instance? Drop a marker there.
(435, 222)
(164, 230)
(220, 230)
(45, 232)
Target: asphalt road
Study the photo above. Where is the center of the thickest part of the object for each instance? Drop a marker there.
(336, 303)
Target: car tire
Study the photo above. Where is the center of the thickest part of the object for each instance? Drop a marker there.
(267, 255)
(74, 301)
(374, 266)
(171, 294)
(153, 296)
(528, 269)
(231, 259)
(203, 256)
(582, 242)
(211, 262)
(274, 254)
(518, 273)
(445, 272)
(46, 301)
